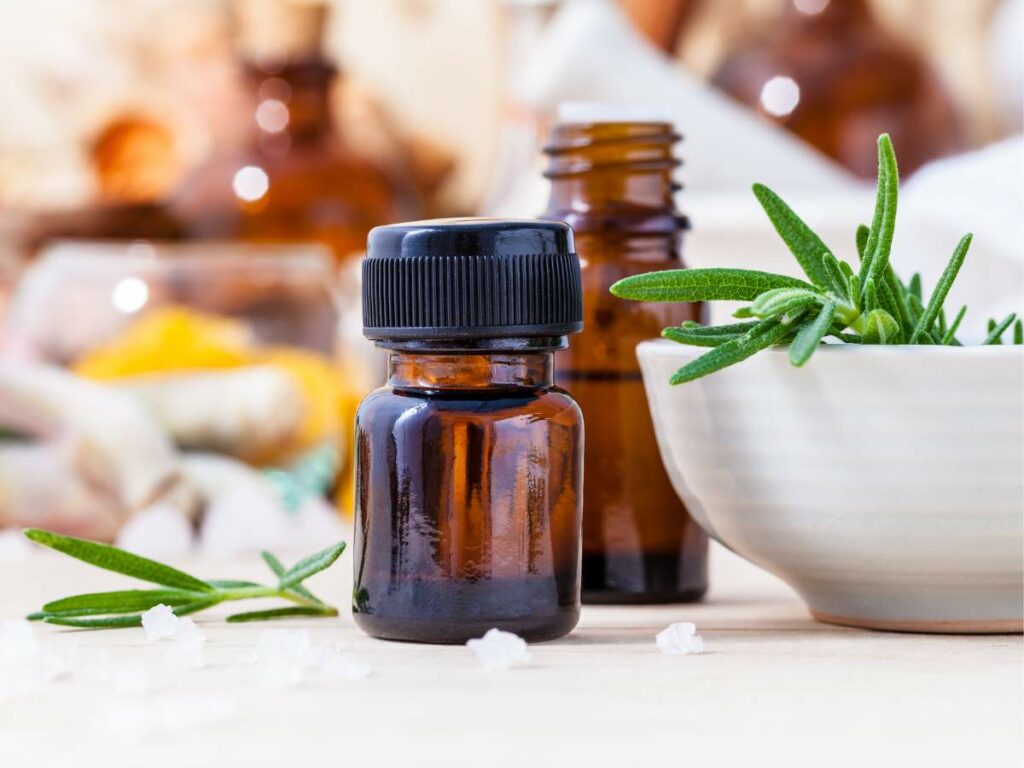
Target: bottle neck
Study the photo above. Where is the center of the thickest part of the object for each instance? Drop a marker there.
(445, 371)
(291, 102)
(614, 176)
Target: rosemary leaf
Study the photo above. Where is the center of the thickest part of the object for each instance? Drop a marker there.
(863, 232)
(1018, 332)
(889, 181)
(702, 285)
(996, 334)
(924, 324)
(279, 570)
(783, 300)
(282, 613)
(307, 566)
(880, 327)
(811, 334)
(113, 559)
(802, 242)
(915, 285)
(950, 335)
(764, 335)
(124, 601)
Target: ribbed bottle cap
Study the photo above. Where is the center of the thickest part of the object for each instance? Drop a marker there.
(465, 279)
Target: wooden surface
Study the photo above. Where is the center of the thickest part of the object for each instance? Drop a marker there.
(773, 688)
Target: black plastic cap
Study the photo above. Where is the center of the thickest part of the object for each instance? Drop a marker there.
(470, 279)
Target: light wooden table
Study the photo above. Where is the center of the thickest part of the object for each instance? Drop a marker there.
(773, 688)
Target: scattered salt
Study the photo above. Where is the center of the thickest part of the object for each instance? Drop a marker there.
(130, 677)
(680, 638)
(498, 649)
(161, 531)
(282, 655)
(160, 623)
(186, 650)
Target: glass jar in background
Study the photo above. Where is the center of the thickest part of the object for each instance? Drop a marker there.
(612, 182)
(832, 75)
(231, 345)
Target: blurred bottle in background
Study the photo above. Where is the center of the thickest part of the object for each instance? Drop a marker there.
(294, 178)
(612, 181)
(833, 76)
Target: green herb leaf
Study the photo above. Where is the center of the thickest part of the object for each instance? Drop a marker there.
(950, 335)
(185, 594)
(880, 327)
(112, 622)
(879, 243)
(702, 285)
(782, 300)
(282, 613)
(995, 335)
(1018, 332)
(766, 333)
(124, 601)
(117, 560)
(924, 324)
(804, 244)
(863, 233)
(915, 285)
(810, 335)
(315, 563)
(839, 279)
(279, 570)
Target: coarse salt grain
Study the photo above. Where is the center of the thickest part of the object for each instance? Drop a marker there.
(160, 623)
(679, 639)
(499, 650)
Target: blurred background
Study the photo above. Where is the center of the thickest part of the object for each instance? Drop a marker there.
(186, 188)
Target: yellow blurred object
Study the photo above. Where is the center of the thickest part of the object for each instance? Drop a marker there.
(318, 381)
(170, 339)
(176, 339)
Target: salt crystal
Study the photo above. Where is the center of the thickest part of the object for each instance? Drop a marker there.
(680, 638)
(186, 651)
(130, 677)
(282, 655)
(160, 623)
(498, 649)
(341, 665)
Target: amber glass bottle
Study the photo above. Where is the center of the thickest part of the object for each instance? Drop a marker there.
(829, 73)
(469, 459)
(294, 178)
(612, 182)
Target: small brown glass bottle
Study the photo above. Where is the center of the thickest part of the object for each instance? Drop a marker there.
(832, 75)
(295, 178)
(612, 181)
(469, 460)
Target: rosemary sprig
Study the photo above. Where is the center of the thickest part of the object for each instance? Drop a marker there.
(868, 306)
(181, 591)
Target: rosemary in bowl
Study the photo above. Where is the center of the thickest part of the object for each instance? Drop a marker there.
(870, 305)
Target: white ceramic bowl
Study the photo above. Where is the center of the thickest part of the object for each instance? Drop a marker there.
(884, 484)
